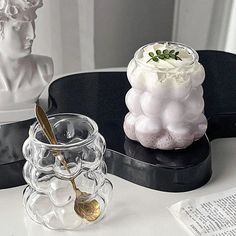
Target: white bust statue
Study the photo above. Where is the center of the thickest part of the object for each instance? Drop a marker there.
(23, 76)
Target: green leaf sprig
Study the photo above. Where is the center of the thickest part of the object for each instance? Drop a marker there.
(164, 55)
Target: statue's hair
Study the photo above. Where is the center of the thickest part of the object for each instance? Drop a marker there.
(22, 10)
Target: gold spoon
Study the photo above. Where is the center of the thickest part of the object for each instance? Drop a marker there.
(88, 210)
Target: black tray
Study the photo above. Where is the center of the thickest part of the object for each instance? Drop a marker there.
(100, 95)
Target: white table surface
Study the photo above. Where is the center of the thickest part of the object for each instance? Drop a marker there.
(134, 210)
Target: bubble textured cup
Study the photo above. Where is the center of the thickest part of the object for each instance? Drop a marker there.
(49, 198)
(166, 99)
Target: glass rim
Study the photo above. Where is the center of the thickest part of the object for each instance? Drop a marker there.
(195, 56)
(34, 127)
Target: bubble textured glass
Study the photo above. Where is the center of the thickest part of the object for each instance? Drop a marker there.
(50, 197)
(165, 105)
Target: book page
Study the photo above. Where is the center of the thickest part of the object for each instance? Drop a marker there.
(213, 215)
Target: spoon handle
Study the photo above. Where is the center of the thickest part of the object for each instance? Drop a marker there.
(43, 120)
(47, 129)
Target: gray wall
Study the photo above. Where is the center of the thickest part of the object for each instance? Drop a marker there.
(122, 26)
(202, 24)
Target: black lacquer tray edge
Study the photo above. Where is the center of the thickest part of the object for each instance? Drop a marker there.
(214, 132)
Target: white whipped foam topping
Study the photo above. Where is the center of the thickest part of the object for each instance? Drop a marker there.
(184, 54)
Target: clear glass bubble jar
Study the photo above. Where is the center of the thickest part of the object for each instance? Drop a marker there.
(67, 184)
(166, 99)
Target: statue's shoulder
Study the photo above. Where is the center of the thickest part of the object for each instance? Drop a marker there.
(45, 66)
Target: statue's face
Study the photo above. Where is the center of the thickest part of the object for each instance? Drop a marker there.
(18, 38)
